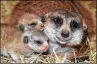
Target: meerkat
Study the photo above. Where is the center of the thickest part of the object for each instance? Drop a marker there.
(15, 42)
(65, 29)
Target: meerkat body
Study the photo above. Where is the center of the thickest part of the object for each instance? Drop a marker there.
(15, 42)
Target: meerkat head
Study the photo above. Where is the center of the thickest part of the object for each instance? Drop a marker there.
(65, 27)
(30, 20)
(36, 40)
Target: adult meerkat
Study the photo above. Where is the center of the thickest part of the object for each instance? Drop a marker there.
(65, 28)
(15, 42)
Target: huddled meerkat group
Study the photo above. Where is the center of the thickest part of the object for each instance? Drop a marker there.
(59, 28)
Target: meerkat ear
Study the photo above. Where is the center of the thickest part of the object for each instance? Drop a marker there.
(85, 32)
(85, 28)
(21, 27)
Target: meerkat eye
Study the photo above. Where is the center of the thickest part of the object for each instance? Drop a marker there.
(25, 39)
(58, 21)
(21, 27)
(43, 18)
(32, 24)
(38, 41)
(74, 25)
(47, 40)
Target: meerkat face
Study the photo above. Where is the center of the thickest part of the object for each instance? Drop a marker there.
(36, 40)
(65, 27)
(31, 20)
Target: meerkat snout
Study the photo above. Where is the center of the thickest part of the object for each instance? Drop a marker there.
(65, 34)
(44, 47)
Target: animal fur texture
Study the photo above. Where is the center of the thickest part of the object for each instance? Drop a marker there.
(44, 7)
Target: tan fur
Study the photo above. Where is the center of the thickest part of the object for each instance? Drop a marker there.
(11, 41)
(29, 19)
(13, 44)
(43, 7)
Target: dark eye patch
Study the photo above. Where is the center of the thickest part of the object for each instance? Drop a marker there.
(75, 25)
(32, 24)
(21, 27)
(38, 41)
(25, 39)
(43, 18)
(47, 40)
(57, 20)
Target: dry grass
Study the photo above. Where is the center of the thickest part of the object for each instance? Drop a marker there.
(7, 6)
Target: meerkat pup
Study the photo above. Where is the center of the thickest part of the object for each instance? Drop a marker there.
(15, 42)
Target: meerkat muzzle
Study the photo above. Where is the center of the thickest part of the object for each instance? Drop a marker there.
(65, 34)
(44, 48)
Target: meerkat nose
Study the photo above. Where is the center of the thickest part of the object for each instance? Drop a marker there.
(42, 25)
(65, 34)
(44, 48)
